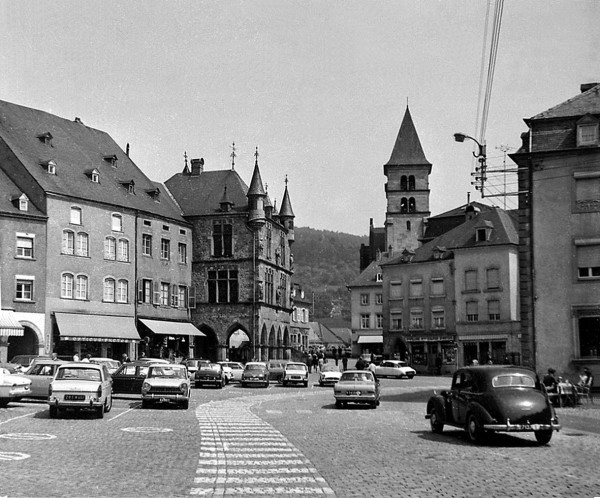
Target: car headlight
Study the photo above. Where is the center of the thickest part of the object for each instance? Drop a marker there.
(145, 387)
(184, 388)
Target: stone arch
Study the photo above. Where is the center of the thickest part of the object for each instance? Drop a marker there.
(239, 346)
(272, 354)
(31, 342)
(264, 344)
(287, 353)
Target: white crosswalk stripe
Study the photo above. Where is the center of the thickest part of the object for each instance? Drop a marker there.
(241, 455)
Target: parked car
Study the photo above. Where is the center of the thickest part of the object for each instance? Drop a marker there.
(13, 387)
(192, 365)
(41, 373)
(395, 368)
(12, 368)
(82, 386)
(128, 379)
(367, 357)
(276, 369)
(357, 386)
(236, 370)
(111, 365)
(255, 372)
(211, 374)
(295, 373)
(227, 372)
(166, 383)
(329, 374)
(492, 398)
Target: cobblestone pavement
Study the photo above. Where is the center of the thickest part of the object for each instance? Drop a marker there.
(288, 442)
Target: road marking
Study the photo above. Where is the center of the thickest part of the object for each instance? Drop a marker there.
(126, 411)
(12, 456)
(241, 454)
(16, 418)
(28, 436)
(146, 430)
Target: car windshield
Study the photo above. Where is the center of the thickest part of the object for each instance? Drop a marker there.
(330, 368)
(296, 366)
(513, 380)
(209, 366)
(167, 371)
(275, 365)
(357, 377)
(77, 373)
(255, 367)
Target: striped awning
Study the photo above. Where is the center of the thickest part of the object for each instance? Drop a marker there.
(163, 327)
(9, 325)
(370, 339)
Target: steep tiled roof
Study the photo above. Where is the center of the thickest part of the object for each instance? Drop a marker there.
(504, 232)
(441, 223)
(200, 195)
(583, 103)
(8, 192)
(368, 277)
(77, 149)
(407, 149)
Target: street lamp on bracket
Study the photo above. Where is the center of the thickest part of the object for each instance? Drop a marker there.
(479, 173)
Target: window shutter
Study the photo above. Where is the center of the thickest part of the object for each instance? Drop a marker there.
(174, 295)
(192, 297)
(156, 296)
(140, 290)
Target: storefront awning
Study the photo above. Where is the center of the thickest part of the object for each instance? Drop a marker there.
(484, 337)
(9, 325)
(96, 328)
(163, 327)
(370, 339)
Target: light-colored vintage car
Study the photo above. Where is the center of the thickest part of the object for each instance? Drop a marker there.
(357, 386)
(111, 365)
(81, 386)
(41, 373)
(295, 373)
(329, 374)
(13, 387)
(236, 370)
(166, 383)
(395, 368)
(255, 372)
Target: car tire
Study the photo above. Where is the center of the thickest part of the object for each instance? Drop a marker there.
(305, 383)
(244, 384)
(285, 383)
(437, 427)
(186, 404)
(266, 384)
(197, 385)
(339, 404)
(220, 385)
(4, 402)
(145, 404)
(53, 412)
(474, 428)
(321, 383)
(410, 376)
(100, 411)
(543, 437)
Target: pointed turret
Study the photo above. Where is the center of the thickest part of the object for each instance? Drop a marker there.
(256, 198)
(286, 213)
(407, 149)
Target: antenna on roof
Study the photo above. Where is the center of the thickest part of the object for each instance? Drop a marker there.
(233, 156)
(256, 154)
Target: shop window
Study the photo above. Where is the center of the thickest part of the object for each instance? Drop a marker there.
(589, 336)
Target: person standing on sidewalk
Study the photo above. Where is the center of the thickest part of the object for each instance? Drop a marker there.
(344, 361)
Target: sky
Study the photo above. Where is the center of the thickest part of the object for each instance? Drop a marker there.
(319, 87)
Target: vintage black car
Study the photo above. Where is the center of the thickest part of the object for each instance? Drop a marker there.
(492, 398)
(210, 373)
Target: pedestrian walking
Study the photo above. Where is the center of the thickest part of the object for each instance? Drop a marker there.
(335, 357)
(344, 362)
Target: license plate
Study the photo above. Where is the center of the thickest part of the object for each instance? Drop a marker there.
(74, 397)
(163, 400)
(532, 427)
(353, 393)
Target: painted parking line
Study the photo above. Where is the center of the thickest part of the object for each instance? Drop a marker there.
(16, 418)
(242, 455)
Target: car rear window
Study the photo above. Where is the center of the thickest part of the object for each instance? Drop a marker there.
(513, 380)
(79, 374)
(357, 377)
(296, 366)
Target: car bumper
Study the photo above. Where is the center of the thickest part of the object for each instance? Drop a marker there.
(164, 398)
(356, 398)
(255, 381)
(15, 392)
(89, 401)
(508, 427)
(205, 380)
(296, 378)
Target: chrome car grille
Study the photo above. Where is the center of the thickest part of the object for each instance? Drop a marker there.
(164, 390)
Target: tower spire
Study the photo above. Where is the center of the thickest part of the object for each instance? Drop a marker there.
(233, 155)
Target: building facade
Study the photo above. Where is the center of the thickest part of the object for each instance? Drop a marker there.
(559, 181)
(242, 263)
(113, 247)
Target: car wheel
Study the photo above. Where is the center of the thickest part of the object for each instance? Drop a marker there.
(321, 383)
(266, 384)
(186, 404)
(410, 376)
(100, 411)
(474, 428)
(145, 404)
(53, 412)
(108, 404)
(4, 402)
(543, 437)
(305, 383)
(436, 424)
(285, 383)
(339, 404)
(197, 385)
(220, 385)
(244, 384)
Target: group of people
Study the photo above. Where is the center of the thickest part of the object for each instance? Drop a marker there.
(552, 384)
(317, 359)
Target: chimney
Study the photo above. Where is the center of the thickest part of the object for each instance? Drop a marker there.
(586, 86)
(197, 166)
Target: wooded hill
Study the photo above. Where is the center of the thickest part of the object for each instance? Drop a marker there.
(325, 262)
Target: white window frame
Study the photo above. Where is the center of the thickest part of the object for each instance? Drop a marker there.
(27, 285)
(67, 282)
(110, 248)
(25, 246)
(82, 247)
(116, 222)
(76, 216)
(81, 287)
(365, 321)
(109, 290)
(68, 242)
(122, 291)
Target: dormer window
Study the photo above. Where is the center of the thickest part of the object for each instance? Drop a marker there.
(587, 131)
(379, 277)
(154, 193)
(93, 175)
(21, 201)
(129, 185)
(111, 159)
(45, 138)
(49, 166)
(438, 252)
(483, 231)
